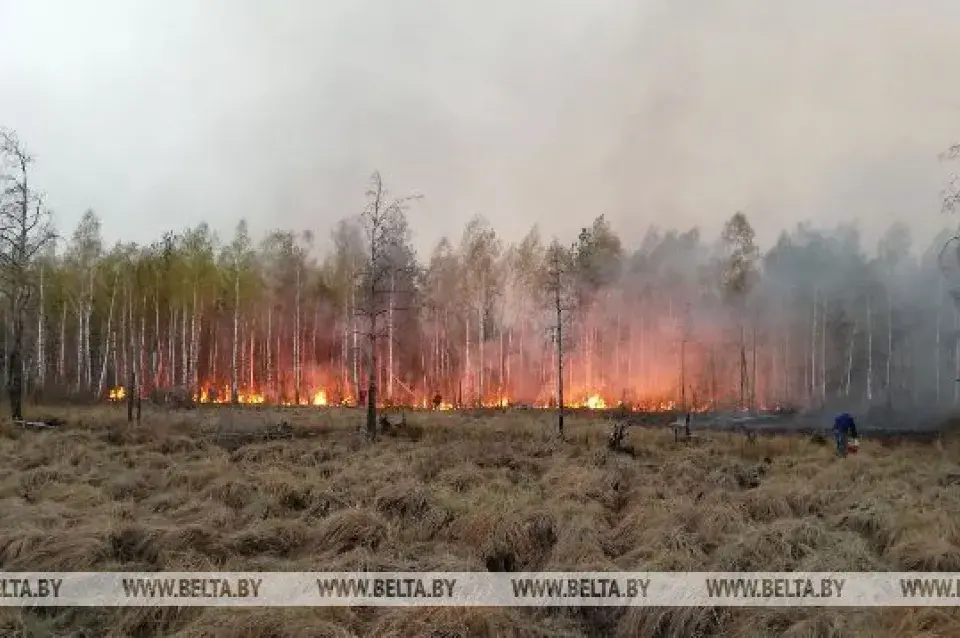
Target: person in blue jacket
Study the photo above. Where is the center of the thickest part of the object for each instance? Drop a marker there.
(844, 428)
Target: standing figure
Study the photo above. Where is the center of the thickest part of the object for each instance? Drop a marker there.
(844, 428)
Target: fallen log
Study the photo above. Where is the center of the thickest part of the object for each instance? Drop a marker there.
(49, 423)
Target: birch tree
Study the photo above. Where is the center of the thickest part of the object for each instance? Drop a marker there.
(480, 249)
(738, 278)
(238, 261)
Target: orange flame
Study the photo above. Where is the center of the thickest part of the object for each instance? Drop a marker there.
(596, 402)
(117, 394)
(326, 394)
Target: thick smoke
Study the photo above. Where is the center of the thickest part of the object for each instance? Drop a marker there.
(526, 112)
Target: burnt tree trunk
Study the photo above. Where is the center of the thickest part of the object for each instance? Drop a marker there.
(15, 367)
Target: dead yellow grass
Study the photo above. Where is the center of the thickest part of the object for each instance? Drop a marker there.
(497, 493)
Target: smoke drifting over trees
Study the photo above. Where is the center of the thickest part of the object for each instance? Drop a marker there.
(679, 321)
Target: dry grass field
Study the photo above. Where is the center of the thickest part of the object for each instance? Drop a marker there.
(460, 494)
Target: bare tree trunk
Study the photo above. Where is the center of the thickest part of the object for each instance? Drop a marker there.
(559, 334)
(130, 354)
(212, 358)
(713, 379)
(234, 371)
(753, 380)
(372, 381)
(786, 366)
(62, 358)
(296, 342)
(502, 394)
(390, 337)
(355, 350)
(509, 372)
(80, 315)
(279, 369)
(937, 353)
(313, 344)
(853, 338)
(813, 352)
(124, 340)
(88, 350)
(823, 351)
(106, 350)
(194, 345)
(643, 348)
(344, 352)
(683, 372)
(184, 358)
(172, 346)
(466, 367)
(142, 367)
(481, 362)
(743, 368)
(889, 345)
(15, 362)
(116, 347)
(41, 320)
(157, 341)
(271, 383)
(7, 331)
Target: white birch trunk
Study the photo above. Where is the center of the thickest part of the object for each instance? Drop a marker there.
(172, 347)
(296, 342)
(355, 351)
(269, 348)
(467, 367)
(194, 344)
(481, 362)
(157, 342)
(62, 358)
(390, 337)
(142, 363)
(234, 371)
(41, 358)
(184, 358)
(80, 315)
(106, 351)
(88, 350)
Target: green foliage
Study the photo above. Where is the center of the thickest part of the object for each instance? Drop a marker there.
(740, 272)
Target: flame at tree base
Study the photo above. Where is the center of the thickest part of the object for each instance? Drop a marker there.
(323, 397)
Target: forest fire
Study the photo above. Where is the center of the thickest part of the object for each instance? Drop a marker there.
(212, 394)
(117, 394)
(322, 397)
(595, 402)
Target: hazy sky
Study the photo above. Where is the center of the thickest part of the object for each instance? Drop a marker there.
(159, 115)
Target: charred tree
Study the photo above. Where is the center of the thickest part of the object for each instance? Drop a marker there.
(24, 232)
(387, 236)
(560, 286)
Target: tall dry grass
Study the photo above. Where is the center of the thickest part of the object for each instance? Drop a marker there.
(464, 493)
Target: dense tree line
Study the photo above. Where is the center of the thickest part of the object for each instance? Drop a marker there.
(680, 319)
